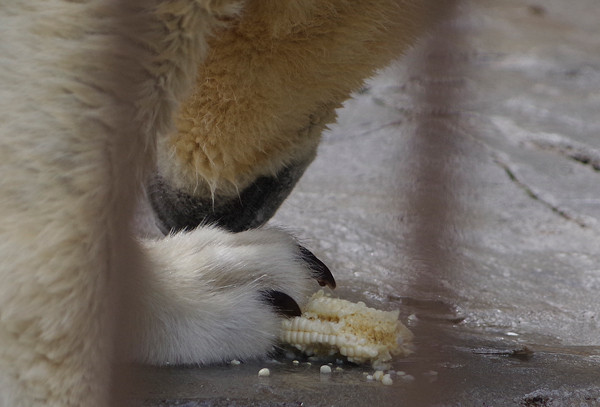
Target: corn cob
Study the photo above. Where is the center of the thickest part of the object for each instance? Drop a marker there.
(328, 326)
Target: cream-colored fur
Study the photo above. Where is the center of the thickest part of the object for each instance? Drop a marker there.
(272, 81)
(86, 89)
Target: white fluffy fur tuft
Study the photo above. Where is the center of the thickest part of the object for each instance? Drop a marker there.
(205, 301)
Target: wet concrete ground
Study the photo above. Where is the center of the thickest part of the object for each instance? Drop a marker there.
(461, 186)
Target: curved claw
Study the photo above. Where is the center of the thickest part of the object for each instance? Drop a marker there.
(322, 273)
(283, 303)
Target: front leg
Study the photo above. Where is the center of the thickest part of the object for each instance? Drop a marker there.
(213, 296)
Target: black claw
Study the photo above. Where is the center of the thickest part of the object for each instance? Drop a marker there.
(322, 273)
(283, 303)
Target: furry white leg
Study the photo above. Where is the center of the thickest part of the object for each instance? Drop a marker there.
(85, 88)
(60, 229)
(205, 302)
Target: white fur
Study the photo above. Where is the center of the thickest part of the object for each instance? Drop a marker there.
(86, 87)
(206, 305)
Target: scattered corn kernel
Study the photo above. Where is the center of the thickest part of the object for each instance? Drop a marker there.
(325, 369)
(387, 380)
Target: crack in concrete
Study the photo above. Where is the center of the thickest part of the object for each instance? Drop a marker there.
(563, 213)
(580, 153)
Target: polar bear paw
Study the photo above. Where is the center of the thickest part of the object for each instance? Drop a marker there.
(214, 296)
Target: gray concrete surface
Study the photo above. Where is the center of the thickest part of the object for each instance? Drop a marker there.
(461, 185)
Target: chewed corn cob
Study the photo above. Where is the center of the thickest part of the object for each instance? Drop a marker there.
(362, 334)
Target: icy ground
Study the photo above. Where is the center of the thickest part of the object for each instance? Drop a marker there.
(461, 186)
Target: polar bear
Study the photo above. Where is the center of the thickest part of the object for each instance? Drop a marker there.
(209, 108)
